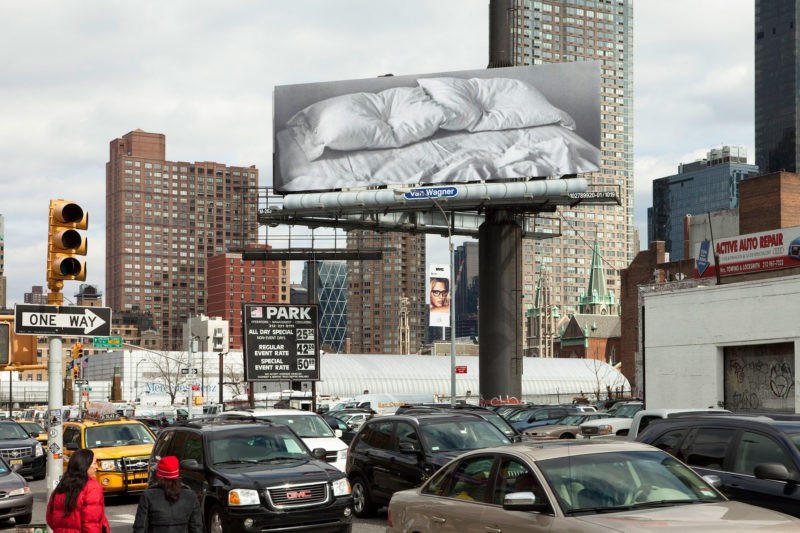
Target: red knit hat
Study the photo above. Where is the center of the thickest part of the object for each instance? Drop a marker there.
(168, 467)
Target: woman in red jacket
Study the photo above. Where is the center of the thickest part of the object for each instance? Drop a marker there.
(76, 505)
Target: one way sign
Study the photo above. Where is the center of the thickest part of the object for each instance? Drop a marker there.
(62, 320)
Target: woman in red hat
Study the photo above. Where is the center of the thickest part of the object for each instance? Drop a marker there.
(168, 506)
(76, 504)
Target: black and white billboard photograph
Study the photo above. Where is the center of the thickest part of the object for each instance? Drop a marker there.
(458, 127)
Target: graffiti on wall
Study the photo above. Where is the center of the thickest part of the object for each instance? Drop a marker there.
(760, 378)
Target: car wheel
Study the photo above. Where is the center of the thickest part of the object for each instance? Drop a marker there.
(23, 519)
(363, 507)
(214, 520)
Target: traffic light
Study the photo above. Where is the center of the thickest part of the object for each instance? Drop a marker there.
(76, 372)
(15, 349)
(77, 350)
(198, 400)
(65, 242)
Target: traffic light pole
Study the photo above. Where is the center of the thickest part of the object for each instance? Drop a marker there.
(55, 401)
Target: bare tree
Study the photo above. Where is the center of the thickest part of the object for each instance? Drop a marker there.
(168, 373)
(235, 381)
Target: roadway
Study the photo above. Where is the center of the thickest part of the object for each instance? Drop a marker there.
(121, 510)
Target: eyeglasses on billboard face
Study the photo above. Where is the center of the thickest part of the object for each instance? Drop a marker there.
(439, 293)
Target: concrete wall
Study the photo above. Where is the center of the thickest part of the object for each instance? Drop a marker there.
(686, 331)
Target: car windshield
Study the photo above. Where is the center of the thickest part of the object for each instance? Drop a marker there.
(104, 436)
(499, 422)
(572, 420)
(598, 482)
(32, 427)
(449, 435)
(628, 410)
(12, 431)
(306, 426)
(266, 445)
(520, 415)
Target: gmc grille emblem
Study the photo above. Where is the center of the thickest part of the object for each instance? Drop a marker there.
(298, 494)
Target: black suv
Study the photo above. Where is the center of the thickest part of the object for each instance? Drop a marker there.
(397, 452)
(487, 414)
(256, 476)
(21, 450)
(756, 458)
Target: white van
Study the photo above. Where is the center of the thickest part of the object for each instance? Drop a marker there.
(309, 426)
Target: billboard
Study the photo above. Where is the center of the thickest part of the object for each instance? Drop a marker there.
(445, 128)
(750, 253)
(439, 295)
(281, 342)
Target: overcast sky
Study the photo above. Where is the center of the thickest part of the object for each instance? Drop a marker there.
(76, 75)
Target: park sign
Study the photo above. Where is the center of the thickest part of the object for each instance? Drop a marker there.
(281, 342)
(62, 320)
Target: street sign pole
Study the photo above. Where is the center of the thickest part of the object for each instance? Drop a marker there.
(190, 364)
(55, 400)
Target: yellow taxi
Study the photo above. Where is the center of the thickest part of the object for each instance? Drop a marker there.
(121, 449)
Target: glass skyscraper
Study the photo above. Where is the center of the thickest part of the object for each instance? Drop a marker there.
(776, 85)
(699, 187)
(331, 291)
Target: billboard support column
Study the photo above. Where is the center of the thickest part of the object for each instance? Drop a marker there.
(500, 317)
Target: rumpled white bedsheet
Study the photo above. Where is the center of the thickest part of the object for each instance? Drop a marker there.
(446, 157)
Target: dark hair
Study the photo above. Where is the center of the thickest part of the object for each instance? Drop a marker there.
(171, 488)
(74, 479)
(445, 281)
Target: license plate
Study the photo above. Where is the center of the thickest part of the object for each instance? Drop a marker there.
(13, 462)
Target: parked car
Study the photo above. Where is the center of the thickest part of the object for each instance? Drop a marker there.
(576, 486)
(756, 459)
(36, 431)
(487, 414)
(396, 452)
(22, 451)
(353, 417)
(256, 476)
(565, 428)
(309, 426)
(346, 431)
(121, 447)
(618, 424)
(539, 416)
(643, 418)
(17, 499)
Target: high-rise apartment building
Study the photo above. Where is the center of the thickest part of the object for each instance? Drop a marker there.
(233, 281)
(379, 320)
(163, 220)
(467, 289)
(702, 186)
(777, 81)
(553, 31)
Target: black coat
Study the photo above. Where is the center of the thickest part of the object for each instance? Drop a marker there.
(156, 515)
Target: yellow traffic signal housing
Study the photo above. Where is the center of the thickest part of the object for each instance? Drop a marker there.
(15, 349)
(77, 350)
(198, 400)
(65, 242)
(76, 372)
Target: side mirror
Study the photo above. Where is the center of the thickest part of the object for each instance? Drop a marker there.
(319, 453)
(524, 501)
(713, 480)
(191, 464)
(773, 471)
(34, 434)
(408, 447)
(72, 446)
(338, 433)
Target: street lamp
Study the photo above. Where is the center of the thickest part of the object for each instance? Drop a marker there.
(221, 396)
(136, 381)
(449, 221)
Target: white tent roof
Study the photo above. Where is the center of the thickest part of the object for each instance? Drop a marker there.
(543, 380)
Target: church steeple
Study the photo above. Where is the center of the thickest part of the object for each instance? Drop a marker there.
(598, 299)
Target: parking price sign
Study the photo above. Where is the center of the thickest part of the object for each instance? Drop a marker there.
(281, 342)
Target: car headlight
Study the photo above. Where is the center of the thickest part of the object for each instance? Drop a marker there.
(341, 487)
(20, 491)
(604, 429)
(243, 497)
(108, 464)
(342, 455)
(38, 451)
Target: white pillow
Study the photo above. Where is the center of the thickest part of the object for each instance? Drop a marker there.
(490, 104)
(358, 121)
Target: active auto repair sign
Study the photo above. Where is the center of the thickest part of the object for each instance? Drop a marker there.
(281, 342)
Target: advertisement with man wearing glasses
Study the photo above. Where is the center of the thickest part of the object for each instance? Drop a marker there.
(439, 295)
